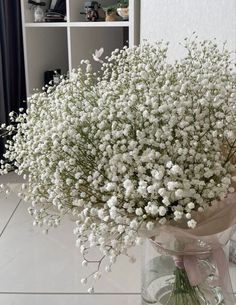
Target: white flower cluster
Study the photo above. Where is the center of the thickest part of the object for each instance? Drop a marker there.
(141, 142)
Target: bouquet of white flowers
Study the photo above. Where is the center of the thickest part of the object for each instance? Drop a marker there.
(130, 151)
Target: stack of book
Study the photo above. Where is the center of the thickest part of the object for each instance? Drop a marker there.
(53, 16)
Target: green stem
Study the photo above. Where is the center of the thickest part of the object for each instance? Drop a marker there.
(183, 293)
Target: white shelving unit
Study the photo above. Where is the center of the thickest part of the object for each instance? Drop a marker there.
(62, 45)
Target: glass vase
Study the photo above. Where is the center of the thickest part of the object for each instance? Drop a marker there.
(165, 281)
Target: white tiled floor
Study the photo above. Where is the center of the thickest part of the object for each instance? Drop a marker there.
(40, 269)
(69, 299)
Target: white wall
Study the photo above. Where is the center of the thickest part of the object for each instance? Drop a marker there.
(173, 20)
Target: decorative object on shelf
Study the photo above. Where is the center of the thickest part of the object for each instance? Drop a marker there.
(39, 13)
(123, 9)
(97, 55)
(123, 12)
(111, 14)
(120, 9)
(52, 77)
(52, 16)
(144, 148)
(93, 11)
(56, 12)
(58, 6)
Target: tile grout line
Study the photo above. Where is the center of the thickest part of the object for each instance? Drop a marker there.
(12, 214)
(74, 293)
(67, 293)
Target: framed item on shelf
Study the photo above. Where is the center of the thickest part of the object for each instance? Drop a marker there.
(52, 4)
(56, 12)
(58, 6)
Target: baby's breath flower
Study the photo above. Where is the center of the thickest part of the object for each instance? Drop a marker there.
(192, 223)
(140, 143)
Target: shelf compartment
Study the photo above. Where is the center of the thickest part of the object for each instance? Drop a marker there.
(28, 11)
(46, 50)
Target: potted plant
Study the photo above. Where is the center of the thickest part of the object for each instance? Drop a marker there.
(123, 9)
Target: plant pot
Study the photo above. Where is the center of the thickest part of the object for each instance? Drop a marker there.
(111, 16)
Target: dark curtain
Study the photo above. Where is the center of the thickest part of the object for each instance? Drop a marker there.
(12, 74)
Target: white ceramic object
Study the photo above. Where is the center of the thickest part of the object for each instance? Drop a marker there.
(123, 12)
(38, 14)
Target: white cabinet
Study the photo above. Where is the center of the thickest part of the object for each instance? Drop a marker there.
(62, 45)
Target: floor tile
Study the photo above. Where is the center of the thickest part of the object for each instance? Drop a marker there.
(9, 202)
(70, 299)
(7, 207)
(33, 262)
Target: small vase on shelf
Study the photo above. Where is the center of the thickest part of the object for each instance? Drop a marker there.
(39, 14)
(111, 14)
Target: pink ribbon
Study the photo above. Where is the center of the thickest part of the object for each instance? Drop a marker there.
(196, 275)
